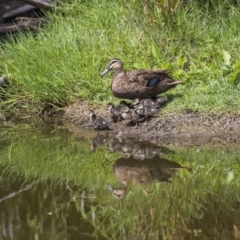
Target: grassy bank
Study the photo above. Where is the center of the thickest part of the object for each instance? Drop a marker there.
(199, 44)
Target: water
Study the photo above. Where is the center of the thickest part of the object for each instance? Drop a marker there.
(60, 185)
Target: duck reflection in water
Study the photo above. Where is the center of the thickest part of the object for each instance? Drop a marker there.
(98, 141)
(152, 170)
(129, 146)
(138, 149)
(141, 162)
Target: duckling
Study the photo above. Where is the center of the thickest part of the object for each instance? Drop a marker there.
(130, 114)
(161, 100)
(98, 122)
(115, 112)
(155, 102)
(126, 113)
(146, 111)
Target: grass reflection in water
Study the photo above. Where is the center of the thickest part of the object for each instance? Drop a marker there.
(53, 186)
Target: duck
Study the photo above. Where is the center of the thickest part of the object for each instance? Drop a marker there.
(155, 102)
(147, 111)
(130, 114)
(138, 83)
(98, 122)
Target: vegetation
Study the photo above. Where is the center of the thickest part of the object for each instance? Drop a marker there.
(197, 41)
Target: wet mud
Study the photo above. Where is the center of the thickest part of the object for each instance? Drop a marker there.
(183, 128)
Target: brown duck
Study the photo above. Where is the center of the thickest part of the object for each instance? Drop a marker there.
(138, 83)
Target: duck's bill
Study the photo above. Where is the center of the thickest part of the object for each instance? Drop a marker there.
(105, 71)
(175, 83)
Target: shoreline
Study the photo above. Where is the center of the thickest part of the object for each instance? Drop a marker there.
(183, 128)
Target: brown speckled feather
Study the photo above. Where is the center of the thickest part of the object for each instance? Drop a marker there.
(143, 76)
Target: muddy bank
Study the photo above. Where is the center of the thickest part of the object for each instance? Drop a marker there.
(184, 128)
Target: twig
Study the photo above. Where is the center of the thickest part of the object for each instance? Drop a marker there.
(13, 194)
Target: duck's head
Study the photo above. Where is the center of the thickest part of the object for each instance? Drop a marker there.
(119, 192)
(110, 106)
(139, 106)
(115, 64)
(161, 100)
(91, 113)
(125, 109)
(135, 102)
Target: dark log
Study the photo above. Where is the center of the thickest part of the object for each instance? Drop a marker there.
(17, 11)
(40, 4)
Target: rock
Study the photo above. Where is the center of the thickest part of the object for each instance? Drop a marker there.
(2, 81)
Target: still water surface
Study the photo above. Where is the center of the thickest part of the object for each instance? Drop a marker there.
(59, 185)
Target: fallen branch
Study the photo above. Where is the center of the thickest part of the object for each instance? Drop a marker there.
(13, 194)
(17, 11)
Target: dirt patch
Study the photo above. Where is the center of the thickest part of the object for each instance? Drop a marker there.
(184, 128)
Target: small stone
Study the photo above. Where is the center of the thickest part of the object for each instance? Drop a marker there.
(2, 81)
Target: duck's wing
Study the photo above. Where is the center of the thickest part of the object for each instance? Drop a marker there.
(104, 122)
(148, 78)
(117, 111)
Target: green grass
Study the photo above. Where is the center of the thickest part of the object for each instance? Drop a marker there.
(199, 44)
